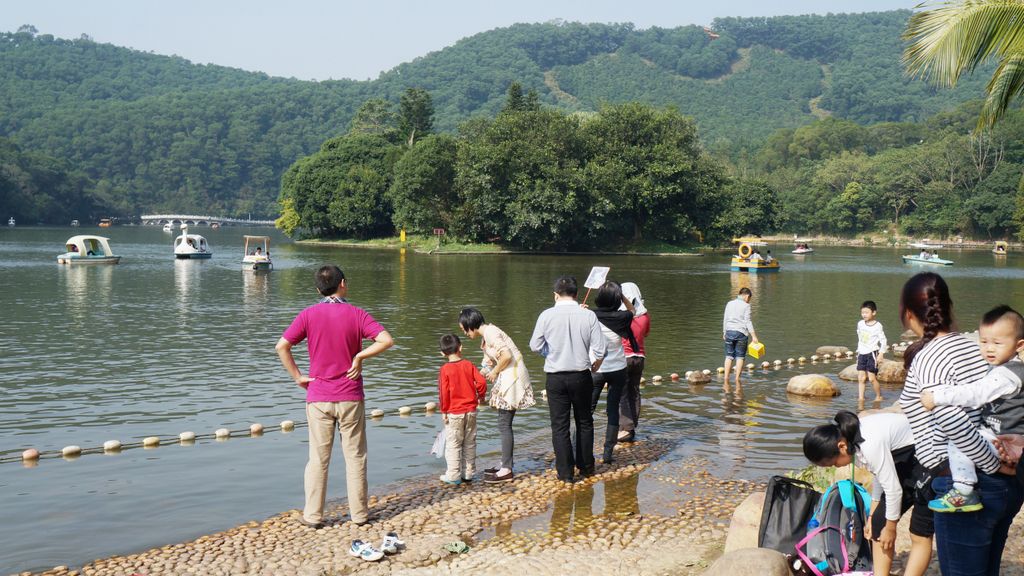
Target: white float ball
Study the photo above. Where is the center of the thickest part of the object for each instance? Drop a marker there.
(256, 429)
(71, 450)
(111, 446)
(376, 413)
(721, 369)
(405, 410)
(30, 454)
(430, 406)
(287, 425)
(187, 436)
(222, 433)
(150, 441)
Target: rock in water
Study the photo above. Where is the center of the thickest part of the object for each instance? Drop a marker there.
(891, 372)
(817, 385)
(761, 561)
(697, 377)
(849, 373)
(831, 350)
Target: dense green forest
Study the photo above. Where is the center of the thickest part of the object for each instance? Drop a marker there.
(159, 133)
(535, 177)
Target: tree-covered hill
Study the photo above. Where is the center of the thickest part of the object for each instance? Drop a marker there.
(155, 132)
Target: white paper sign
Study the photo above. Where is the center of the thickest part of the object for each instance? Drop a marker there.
(598, 276)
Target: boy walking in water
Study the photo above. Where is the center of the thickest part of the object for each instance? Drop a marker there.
(460, 387)
(736, 330)
(1001, 338)
(871, 345)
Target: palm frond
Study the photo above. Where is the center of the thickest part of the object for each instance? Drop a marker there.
(951, 38)
(1006, 84)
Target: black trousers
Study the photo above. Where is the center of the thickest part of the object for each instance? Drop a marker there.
(629, 407)
(569, 393)
(616, 383)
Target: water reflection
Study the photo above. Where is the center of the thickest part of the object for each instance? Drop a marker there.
(86, 288)
(573, 511)
(255, 289)
(187, 279)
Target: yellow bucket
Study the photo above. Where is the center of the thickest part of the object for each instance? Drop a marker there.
(755, 349)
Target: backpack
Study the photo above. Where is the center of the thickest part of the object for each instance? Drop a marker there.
(835, 542)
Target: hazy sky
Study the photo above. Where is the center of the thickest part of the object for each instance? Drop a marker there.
(324, 39)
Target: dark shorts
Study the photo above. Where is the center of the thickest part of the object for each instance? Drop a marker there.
(866, 363)
(908, 470)
(735, 345)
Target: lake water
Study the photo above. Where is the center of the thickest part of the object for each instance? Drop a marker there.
(155, 346)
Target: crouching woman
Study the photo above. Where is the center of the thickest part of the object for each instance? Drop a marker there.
(884, 443)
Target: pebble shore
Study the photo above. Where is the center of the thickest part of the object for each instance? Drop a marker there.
(641, 514)
(644, 514)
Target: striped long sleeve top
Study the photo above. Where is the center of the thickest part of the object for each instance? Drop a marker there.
(950, 360)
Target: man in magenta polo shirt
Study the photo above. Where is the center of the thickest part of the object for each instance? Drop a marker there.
(334, 331)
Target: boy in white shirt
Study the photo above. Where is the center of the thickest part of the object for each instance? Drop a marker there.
(1002, 340)
(871, 345)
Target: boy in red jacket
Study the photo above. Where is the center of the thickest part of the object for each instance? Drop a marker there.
(460, 387)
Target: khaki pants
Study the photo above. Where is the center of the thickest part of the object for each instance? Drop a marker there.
(350, 420)
(460, 446)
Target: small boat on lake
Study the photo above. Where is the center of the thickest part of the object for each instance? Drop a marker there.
(933, 260)
(10, 222)
(1000, 248)
(105, 222)
(258, 257)
(86, 249)
(802, 247)
(749, 259)
(75, 224)
(191, 246)
(169, 228)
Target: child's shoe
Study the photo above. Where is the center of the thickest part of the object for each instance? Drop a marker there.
(446, 480)
(391, 543)
(956, 501)
(365, 551)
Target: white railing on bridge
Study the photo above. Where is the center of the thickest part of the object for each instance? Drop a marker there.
(197, 220)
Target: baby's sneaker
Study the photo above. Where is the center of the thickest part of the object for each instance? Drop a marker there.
(391, 543)
(956, 501)
(365, 551)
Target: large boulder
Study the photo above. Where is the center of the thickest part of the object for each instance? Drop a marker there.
(849, 373)
(698, 377)
(833, 350)
(817, 385)
(891, 371)
(760, 561)
(745, 522)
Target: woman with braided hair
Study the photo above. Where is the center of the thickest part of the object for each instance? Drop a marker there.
(967, 542)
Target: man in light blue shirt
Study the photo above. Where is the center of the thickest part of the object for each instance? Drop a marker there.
(565, 335)
(736, 330)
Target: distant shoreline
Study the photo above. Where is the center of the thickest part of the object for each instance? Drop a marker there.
(421, 245)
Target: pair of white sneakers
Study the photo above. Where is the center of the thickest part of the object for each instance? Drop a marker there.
(367, 552)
